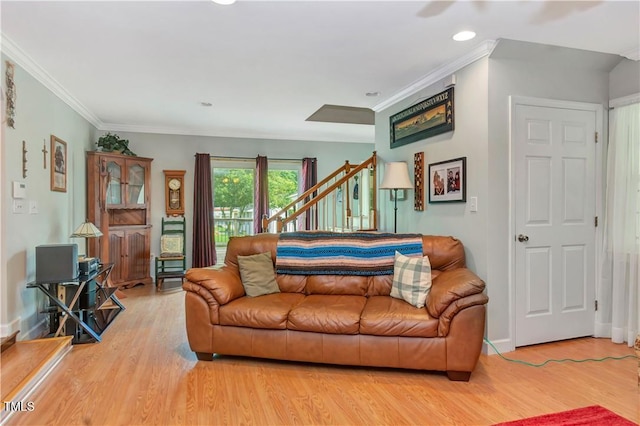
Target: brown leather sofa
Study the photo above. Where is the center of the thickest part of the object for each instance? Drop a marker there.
(349, 320)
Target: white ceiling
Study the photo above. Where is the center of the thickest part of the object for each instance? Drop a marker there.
(266, 66)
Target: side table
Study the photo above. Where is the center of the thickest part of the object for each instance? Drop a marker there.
(86, 300)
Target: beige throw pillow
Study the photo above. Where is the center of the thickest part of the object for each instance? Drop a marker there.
(257, 274)
(411, 279)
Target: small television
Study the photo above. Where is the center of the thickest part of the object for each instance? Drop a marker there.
(56, 262)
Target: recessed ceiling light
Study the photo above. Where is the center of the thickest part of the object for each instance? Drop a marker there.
(464, 36)
(372, 94)
(206, 104)
(225, 2)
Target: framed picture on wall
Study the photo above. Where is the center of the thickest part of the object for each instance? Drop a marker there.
(448, 181)
(59, 164)
(423, 120)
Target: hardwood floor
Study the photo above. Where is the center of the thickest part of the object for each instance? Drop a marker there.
(143, 372)
(25, 364)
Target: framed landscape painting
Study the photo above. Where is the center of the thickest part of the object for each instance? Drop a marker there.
(423, 120)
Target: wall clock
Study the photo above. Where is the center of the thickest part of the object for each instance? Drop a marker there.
(174, 192)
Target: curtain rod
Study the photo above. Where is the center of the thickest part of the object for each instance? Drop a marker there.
(214, 157)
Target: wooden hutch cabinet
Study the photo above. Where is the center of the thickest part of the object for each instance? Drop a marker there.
(118, 202)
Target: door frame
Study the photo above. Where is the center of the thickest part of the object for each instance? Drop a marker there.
(514, 101)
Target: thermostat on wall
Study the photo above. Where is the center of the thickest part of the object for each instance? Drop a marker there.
(19, 190)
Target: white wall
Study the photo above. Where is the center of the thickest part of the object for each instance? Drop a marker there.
(624, 79)
(39, 114)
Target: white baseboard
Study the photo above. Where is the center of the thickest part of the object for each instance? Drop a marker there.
(36, 332)
(503, 346)
(602, 330)
(9, 329)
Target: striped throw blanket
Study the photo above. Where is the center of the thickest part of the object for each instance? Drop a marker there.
(333, 253)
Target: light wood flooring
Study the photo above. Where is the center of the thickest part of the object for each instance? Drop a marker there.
(143, 372)
(25, 364)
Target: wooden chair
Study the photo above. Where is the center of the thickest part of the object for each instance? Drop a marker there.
(172, 261)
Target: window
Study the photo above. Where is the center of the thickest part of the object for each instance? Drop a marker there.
(233, 192)
(285, 185)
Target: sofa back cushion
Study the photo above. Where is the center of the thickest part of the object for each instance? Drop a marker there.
(445, 253)
(337, 284)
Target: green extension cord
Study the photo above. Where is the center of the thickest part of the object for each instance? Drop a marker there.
(556, 360)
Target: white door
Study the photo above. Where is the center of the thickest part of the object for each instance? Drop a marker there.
(554, 152)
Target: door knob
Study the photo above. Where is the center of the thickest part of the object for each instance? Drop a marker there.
(523, 238)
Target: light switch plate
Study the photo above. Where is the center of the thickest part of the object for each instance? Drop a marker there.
(18, 206)
(473, 204)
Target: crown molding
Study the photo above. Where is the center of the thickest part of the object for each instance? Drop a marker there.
(481, 51)
(235, 134)
(633, 54)
(624, 101)
(27, 63)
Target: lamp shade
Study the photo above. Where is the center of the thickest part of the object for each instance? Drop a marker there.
(396, 176)
(86, 230)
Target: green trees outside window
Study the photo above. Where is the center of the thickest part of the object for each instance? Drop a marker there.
(233, 189)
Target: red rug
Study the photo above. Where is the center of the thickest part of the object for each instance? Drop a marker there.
(594, 415)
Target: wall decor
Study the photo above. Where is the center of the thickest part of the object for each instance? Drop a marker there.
(44, 154)
(58, 164)
(174, 192)
(24, 159)
(448, 181)
(423, 120)
(11, 95)
(418, 181)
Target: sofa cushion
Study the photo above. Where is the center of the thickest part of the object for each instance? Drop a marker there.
(257, 274)
(334, 314)
(411, 279)
(337, 284)
(269, 311)
(386, 316)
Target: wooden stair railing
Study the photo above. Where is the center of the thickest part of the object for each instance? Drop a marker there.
(282, 217)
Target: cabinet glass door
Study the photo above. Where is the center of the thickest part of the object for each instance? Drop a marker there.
(135, 191)
(114, 185)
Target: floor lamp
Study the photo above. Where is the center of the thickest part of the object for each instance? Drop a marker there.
(396, 176)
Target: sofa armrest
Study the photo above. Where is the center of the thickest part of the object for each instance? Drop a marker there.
(451, 286)
(455, 307)
(224, 283)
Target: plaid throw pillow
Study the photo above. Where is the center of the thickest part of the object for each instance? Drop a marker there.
(411, 279)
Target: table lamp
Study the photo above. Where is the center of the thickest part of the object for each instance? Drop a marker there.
(86, 230)
(396, 176)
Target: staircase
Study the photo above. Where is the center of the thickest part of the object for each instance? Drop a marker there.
(344, 201)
